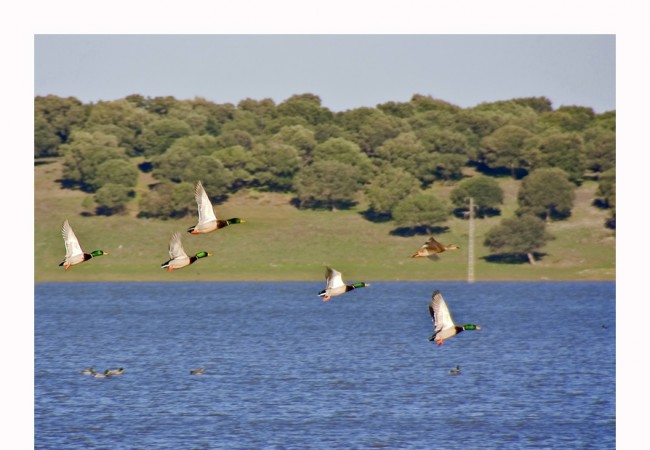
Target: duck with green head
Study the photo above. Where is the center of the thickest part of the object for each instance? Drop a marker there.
(177, 256)
(73, 252)
(455, 371)
(443, 325)
(207, 220)
(335, 285)
(88, 371)
(112, 372)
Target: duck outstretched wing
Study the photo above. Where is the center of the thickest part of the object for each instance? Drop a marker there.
(440, 315)
(72, 247)
(206, 212)
(333, 278)
(176, 247)
(434, 245)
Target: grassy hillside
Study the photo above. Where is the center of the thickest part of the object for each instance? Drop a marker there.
(279, 242)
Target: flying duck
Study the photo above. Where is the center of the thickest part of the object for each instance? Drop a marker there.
(431, 248)
(335, 285)
(177, 256)
(73, 252)
(207, 220)
(443, 325)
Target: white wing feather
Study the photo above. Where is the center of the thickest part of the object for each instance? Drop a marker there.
(176, 247)
(440, 313)
(334, 278)
(72, 247)
(206, 213)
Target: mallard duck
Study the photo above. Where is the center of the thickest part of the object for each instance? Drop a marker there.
(443, 325)
(101, 375)
(207, 220)
(112, 372)
(455, 371)
(335, 285)
(200, 371)
(177, 256)
(88, 371)
(73, 252)
(431, 248)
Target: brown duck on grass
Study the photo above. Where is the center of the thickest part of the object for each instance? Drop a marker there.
(431, 248)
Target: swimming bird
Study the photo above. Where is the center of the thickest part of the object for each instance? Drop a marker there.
(443, 325)
(73, 252)
(455, 371)
(112, 372)
(88, 371)
(335, 285)
(101, 375)
(207, 220)
(431, 248)
(200, 371)
(177, 256)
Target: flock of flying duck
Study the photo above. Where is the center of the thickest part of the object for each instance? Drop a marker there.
(443, 324)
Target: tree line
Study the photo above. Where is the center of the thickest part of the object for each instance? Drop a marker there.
(391, 154)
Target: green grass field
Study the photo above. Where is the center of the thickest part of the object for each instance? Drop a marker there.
(280, 243)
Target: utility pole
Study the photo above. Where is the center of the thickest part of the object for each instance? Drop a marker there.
(470, 245)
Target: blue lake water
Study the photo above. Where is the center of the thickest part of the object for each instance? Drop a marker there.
(285, 370)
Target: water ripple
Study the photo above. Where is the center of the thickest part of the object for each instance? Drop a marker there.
(285, 370)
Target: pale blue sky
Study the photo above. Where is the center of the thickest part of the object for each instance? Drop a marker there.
(345, 71)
